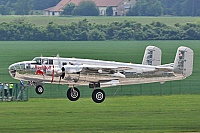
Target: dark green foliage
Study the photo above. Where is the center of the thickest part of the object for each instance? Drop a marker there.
(85, 31)
(22, 7)
(96, 35)
(146, 8)
(4, 10)
(166, 7)
(44, 4)
(86, 8)
(109, 11)
(68, 10)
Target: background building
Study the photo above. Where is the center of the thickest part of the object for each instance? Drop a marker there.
(120, 7)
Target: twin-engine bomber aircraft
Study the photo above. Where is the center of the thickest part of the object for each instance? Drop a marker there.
(98, 73)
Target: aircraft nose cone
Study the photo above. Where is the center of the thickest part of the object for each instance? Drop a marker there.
(11, 67)
(12, 70)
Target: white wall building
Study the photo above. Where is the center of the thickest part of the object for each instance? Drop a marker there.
(120, 7)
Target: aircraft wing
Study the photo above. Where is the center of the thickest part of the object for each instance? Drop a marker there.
(111, 70)
(100, 68)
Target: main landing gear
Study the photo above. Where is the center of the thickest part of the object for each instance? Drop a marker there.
(73, 93)
(98, 95)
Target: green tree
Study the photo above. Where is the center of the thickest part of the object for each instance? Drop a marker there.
(86, 8)
(23, 7)
(4, 10)
(154, 9)
(146, 8)
(190, 8)
(43, 4)
(68, 9)
(96, 35)
(109, 11)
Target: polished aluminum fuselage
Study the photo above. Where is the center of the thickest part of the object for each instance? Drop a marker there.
(85, 71)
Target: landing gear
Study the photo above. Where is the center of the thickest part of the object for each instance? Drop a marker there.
(73, 94)
(39, 89)
(98, 96)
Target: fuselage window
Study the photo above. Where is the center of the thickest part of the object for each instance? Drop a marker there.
(44, 61)
(50, 62)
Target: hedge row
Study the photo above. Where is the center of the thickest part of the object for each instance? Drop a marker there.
(86, 31)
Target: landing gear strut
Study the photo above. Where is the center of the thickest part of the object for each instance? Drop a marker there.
(98, 96)
(73, 94)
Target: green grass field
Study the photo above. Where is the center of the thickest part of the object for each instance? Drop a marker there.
(177, 113)
(44, 20)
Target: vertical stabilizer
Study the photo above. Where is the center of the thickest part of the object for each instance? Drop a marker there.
(183, 63)
(152, 56)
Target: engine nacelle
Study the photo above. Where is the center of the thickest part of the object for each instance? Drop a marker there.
(73, 68)
(56, 71)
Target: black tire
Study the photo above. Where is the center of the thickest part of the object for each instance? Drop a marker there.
(73, 94)
(98, 96)
(39, 89)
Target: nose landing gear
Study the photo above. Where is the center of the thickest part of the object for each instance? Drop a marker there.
(39, 89)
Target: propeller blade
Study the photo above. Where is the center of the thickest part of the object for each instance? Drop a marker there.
(52, 74)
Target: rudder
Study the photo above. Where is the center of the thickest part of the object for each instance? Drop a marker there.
(183, 62)
(152, 56)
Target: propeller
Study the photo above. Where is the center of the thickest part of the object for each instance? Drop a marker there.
(52, 74)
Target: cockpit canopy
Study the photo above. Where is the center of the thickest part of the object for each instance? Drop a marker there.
(17, 66)
(21, 65)
(41, 61)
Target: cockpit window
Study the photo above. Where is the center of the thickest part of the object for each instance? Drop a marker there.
(50, 62)
(17, 67)
(22, 66)
(46, 61)
(38, 61)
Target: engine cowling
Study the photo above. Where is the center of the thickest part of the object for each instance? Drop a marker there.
(54, 71)
(73, 68)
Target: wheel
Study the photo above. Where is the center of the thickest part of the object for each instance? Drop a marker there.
(73, 94)
(39, 89)
(98, 96)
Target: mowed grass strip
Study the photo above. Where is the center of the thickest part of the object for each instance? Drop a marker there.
(44, 20)
(177, 113)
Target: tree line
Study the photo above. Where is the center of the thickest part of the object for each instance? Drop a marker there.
(142, 7)
(86, 31)
(24, 7)
(165, 7)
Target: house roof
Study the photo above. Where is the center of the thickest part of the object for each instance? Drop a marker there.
(107, 2)
(59, 6)
(99, 3)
